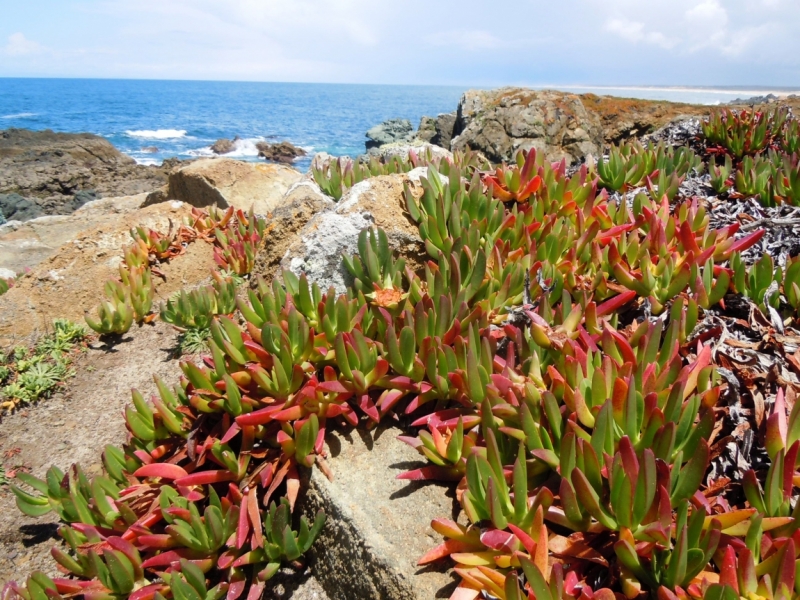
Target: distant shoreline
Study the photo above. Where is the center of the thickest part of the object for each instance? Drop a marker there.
(779, 92)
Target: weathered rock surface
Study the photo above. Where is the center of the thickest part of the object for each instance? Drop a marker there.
(402, 149)
(223, 145)
(299, 205)
(623, 118)
(437, 131)
(49, 169)
(227, 182)
(394, 130)
(500, 122)
(71, 280)
(376, 202)
(14, 207)
(283, 152)
(23, 245)
(377, 526)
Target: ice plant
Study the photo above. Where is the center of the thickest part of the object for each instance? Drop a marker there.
(546, 357)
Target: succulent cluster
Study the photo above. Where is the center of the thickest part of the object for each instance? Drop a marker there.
(547, 353)
(758, 152)
(27, 375)
(660, 168)
(336, 176)
(192, 312)
(129, 299)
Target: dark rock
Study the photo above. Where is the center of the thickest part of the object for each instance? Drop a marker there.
(768, 99)
(427, 129)
(223, 146)
(82, 198)
(389, 132)
(51, 168)
(437, 131)
(149, 149)
(16, 208)
(284, 152)
(445, 127)
(170, 164)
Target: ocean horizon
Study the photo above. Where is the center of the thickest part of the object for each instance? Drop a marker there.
(153, 120)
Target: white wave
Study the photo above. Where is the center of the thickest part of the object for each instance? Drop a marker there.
(149, 162)
(18, 116)
(242, 148)
(158, 134)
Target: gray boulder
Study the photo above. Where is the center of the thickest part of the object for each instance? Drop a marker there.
(376, 202)
(82, 198)
(427, 129)
(16, 208)
(445, 126)
(437, 131)
(388, 132)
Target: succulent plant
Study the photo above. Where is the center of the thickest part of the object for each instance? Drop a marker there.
(560, 419)
(113, 317)
(721, 175)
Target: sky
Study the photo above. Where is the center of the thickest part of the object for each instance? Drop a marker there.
(464, 42)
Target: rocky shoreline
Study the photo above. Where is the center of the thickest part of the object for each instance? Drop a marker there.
(45, 176)
(46, 173)
(49, 173)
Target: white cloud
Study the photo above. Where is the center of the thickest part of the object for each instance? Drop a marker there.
(19, 45)
(634, 31)
(708, 12)
(700, 42)
(465, 40)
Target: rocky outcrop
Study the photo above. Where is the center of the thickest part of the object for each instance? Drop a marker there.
(623, 118)
(284, 152)
(298, 206)
(437, 131)
(223, 146)
(500, 122)
(389, 132)
(16, 208)
(376, 202)
(25, 245)
(402, 149)
(227, 182)
(49, 169)
(562, 125)
(70, 280)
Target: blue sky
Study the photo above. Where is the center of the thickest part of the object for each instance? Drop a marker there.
(466, 42)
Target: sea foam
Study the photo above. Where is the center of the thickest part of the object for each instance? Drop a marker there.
(242, 148)
(157, 134)
(18, 116)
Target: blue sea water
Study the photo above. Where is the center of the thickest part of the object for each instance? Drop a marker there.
(183, 118)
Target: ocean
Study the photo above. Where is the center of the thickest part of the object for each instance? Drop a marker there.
(154, 120)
